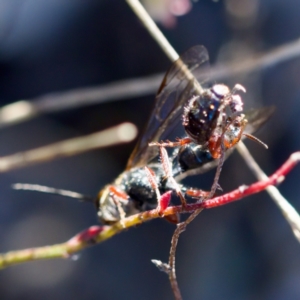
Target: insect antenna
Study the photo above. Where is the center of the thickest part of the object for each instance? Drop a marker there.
(255, 139)
(53, 191)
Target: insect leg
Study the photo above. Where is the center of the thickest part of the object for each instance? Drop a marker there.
(168, 172)
(178, 143)
(197, 193)
(154, 185)
(118, 197)
(163, 200)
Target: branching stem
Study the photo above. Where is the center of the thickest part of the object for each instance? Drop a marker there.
(98, 234)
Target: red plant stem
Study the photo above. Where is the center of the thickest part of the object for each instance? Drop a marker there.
(98, 234)
(242, 191)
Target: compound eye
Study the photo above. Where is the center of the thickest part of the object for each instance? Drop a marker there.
(220, 90)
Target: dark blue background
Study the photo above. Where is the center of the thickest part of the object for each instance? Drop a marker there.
(241, 251)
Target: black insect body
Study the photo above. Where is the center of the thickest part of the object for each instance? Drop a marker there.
(193, 158)
(206, 122)
(131, 193)
(190, 157)
(210, 117)
(201, 115)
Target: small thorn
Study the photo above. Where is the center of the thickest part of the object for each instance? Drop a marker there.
(161, 266)
(219, 187)
(280, 179)
(242, 188)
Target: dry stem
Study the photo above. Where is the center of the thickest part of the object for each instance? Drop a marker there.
(122, 133)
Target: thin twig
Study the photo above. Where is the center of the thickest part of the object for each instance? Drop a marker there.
(120, 90)
(122, 133)
(172, 258)
(98, 234)
(152, 28)
(127, 89)
(182, 226)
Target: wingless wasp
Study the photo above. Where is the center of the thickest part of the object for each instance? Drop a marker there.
(213, 121)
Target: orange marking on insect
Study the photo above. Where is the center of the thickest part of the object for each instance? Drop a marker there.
(117, 192)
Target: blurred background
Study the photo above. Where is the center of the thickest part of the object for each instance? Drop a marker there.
(245, 250)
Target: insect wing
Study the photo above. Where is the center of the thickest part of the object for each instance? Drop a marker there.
(258, 117)
(180, 83)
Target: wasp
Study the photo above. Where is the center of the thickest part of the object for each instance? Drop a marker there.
(210, 119)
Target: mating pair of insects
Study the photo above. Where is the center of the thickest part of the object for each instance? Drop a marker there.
(213, 122)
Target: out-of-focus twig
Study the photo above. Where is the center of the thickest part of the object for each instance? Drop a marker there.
(152, 28)
(259, 61)
(122, 133)
(98, 234)
(122, 90)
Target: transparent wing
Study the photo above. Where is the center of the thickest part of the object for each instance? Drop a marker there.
(183, 80)
(256, 118)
